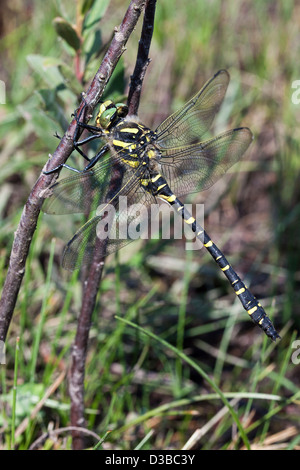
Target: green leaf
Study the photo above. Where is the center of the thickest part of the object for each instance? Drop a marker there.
(48, 69)
(95, 14)
(70, 79)
(67, 32)
(92, 45)
(86, 6)
(55, 111)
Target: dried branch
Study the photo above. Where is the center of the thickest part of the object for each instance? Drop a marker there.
(142, 60)
(56, 432)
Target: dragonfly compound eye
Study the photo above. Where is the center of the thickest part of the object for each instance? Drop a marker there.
(122, 110)
(107, 117)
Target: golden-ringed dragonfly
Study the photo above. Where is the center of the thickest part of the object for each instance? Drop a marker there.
(143, 165)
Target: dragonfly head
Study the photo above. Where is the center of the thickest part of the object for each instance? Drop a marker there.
(109, 113)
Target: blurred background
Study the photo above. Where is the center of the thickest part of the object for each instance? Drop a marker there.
(135, 387)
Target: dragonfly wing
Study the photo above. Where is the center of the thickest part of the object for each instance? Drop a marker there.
(197, 167)
(131, 220)
(114, 226)
(80, 249)
(189, 124)
(83, 192)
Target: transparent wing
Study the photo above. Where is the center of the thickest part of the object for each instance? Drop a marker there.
(114, 226)
(197, 167)
(189, 124)
(83, 192)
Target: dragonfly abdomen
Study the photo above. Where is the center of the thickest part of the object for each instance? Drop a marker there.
(248, 301)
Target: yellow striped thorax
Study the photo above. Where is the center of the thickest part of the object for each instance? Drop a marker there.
(130, 139)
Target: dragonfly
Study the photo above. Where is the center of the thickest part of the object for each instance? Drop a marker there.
(142, 165)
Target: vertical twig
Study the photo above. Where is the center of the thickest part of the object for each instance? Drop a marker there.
(89, 296)
(142, 60)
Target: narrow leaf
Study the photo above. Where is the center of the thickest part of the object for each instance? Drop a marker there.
(67, 31)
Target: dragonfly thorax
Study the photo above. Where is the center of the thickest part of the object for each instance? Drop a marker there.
(134, 142)
(127, 136)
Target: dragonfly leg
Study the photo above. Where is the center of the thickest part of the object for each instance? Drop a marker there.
(90, 165)
(59, 167)
(57, 135)
(86, 140)
(97, 157)
(97, 134)
(76, 145)
(93, 129)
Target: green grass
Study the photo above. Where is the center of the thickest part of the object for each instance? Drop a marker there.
(171, 351)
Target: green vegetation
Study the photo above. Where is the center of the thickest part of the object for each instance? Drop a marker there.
(224, 377)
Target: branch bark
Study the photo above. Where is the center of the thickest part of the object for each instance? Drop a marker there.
(142, 60)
